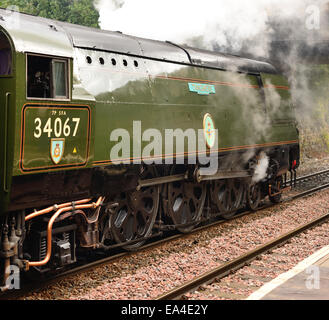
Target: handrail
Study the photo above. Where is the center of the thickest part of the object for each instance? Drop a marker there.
(5, 155)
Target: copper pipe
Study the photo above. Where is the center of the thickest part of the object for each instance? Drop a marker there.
(50, 226)
(53, 208)
(281, 191)
(88, 220)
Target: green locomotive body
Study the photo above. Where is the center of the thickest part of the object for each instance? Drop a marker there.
(85, 111)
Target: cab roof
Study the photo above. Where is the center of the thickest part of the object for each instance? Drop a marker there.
(45, 36)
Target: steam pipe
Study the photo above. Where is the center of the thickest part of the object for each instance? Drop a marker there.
(53, 208)
(51, 222)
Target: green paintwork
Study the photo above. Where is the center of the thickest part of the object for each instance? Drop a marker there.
(239, 113)
(70, 123)
(7, 132)
(156, 93)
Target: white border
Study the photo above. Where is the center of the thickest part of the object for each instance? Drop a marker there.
(282, 278)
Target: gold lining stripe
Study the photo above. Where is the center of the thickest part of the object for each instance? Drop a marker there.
(165, 156)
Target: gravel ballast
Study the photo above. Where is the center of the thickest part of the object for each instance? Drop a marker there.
(149, 273)
(248, 279)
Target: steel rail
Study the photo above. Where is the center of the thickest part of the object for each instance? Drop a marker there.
(308, 192)
(237, 263)
(311, 175)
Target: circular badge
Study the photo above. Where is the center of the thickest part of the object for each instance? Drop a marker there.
(209, 130)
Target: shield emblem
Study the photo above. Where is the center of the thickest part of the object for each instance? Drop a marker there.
(209, 130)
(57, 150)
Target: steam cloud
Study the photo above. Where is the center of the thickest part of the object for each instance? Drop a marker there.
(229, 25)
(261, 168)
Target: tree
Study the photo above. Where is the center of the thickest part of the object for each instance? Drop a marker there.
(83, 12)
(80, 12)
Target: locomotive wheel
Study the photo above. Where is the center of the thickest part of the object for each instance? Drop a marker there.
(227, 195)
(135, 215)
(185, 201)
(253, 196)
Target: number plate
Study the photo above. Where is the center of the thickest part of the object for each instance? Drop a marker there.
(54, 137)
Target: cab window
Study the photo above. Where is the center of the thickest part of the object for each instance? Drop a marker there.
(47, 78)
(5, 56)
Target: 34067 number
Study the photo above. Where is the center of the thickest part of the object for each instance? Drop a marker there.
(56, 126)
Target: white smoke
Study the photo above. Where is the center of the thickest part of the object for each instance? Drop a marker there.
(261, 168)
(208, 24)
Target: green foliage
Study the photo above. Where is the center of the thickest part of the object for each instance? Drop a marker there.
(318, 84)
(314, 115)
(80, 12)
(325, 138)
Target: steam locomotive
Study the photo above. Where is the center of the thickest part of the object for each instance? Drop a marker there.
(108, 140)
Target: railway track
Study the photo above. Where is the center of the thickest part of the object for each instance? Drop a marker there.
(222, 270)
(237, 263)
(243, 260)
(306, 178)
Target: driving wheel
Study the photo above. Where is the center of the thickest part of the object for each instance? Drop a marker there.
(227, 195)
(185, 201)
(135, 214)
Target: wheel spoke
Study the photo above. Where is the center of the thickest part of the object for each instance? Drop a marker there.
(227, 196)
(178, 205)
(135, 216)
(185, 202)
